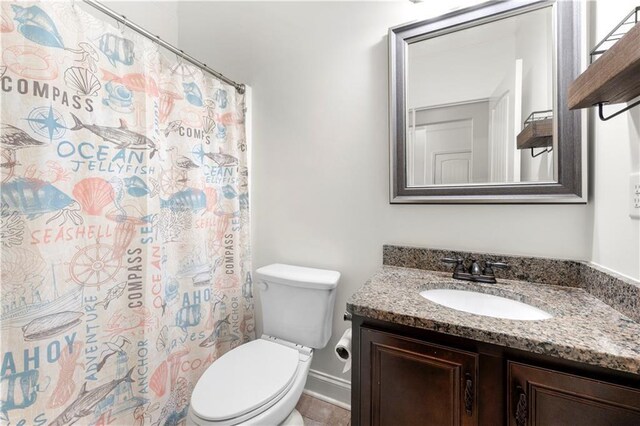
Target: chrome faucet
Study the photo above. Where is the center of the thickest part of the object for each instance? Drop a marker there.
(475, 272)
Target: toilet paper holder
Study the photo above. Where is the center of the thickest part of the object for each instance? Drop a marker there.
(347, 316)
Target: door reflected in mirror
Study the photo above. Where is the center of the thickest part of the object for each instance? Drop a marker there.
(480, 104)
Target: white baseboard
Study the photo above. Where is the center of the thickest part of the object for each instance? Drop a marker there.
(331, 389)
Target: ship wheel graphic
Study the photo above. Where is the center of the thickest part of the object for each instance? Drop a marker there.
(172, 180)
(94, 265)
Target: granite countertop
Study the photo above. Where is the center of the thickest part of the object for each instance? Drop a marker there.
(583, 328)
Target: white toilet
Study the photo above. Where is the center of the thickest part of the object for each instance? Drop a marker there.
(260, 382)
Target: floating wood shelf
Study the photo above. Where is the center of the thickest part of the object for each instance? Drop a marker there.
(613, 78)
(538, 134)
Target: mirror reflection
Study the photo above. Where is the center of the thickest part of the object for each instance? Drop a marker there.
(480, 104)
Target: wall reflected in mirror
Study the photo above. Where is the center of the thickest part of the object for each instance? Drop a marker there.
(480, 104)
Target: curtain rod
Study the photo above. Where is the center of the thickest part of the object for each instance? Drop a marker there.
(123, 19)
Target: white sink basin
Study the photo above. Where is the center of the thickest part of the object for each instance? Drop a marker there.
(485, 304)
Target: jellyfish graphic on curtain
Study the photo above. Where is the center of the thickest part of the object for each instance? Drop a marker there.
(123, 222)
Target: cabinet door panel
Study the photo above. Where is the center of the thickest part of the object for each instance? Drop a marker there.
(408, 382)
(538, 396)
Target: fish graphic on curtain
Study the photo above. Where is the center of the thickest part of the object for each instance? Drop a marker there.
(123, 222)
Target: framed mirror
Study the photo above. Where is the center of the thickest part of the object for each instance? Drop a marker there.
(478, 105)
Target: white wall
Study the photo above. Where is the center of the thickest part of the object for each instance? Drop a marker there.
(615, 153)
(430, 74)
(320, 175)
(157, 17)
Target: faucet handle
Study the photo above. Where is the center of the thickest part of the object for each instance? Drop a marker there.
(488, 267)
(457, 261)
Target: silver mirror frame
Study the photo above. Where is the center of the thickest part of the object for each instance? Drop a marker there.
(570, 45)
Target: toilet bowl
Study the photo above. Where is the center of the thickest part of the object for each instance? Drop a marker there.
(260, 382)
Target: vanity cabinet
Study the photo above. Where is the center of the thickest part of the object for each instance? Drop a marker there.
(411, 381)
(542, 397)
(406, 376)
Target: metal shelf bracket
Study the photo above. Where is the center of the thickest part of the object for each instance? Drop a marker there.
(625, 109)
(541, 152)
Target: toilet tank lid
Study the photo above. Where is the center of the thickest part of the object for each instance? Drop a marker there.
(299, 276)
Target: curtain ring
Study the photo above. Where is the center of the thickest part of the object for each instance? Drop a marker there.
(178, 64)
(123, 23)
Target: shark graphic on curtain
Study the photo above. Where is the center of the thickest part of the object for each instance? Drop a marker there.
(124, 222)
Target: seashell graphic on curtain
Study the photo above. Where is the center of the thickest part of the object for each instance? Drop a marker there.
(123, 222)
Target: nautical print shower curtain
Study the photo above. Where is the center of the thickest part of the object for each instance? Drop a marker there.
(124, 222)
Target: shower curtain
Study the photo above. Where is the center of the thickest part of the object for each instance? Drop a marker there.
(124, 222)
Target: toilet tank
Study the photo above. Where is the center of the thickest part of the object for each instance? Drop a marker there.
(297, 303)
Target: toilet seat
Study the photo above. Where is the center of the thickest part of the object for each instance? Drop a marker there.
(245, 382)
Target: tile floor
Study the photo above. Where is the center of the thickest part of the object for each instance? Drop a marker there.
(319, 413)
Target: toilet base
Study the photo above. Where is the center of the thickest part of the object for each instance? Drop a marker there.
(294, 419)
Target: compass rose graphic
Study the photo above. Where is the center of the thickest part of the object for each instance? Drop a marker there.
(198, 152)
(47, 122)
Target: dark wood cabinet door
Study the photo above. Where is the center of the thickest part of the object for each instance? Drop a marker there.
(541, 397)
(410, 382)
